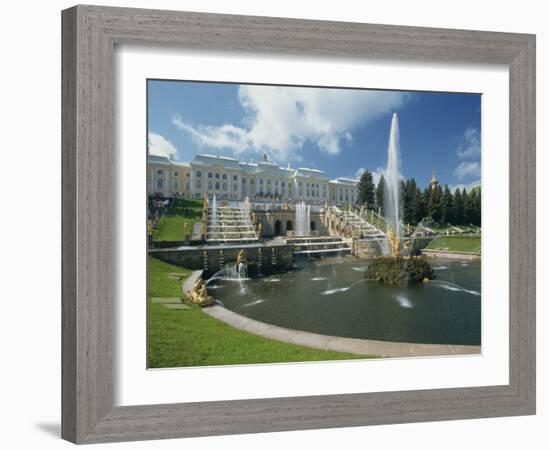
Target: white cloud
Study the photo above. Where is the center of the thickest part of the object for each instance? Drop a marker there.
(376, 174)
(470, 144)
(468, 169)
(160, 146)
(280, 120)
(358, 173)
(468, 186)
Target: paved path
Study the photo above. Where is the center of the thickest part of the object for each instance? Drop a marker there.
(336, 343)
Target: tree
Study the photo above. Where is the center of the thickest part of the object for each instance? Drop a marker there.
(447, 208)
(419, 205)
(458, 206)
(435, 206)
(409, 207)
(380, 193)
(469, 207)
(365, 190)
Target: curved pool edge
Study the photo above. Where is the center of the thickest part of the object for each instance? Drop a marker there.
(364, 347)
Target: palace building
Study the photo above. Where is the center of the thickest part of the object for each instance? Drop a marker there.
(232, 179)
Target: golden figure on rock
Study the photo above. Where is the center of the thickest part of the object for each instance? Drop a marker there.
(199, 294)
(241, 257)
(395, 242)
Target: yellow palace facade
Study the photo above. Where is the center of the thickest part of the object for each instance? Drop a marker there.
(231, 179)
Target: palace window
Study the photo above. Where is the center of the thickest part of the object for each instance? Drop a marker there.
(307, 193)
(268, 181)
(235, 178)
(176, 185)
(276, 182)
(187, 186)
(217, 185)
(243, 180)
(198, 184)
(198, 173)
(224, 176)
(282, 184)
(218, 176)
(209, 174)
(159, 172)
(261, 181)
(160, 183)
(252, 181)
(187, 175)
(224, 186)
(234, 186)
(210, 185)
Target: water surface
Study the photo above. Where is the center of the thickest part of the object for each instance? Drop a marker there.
(332, 297)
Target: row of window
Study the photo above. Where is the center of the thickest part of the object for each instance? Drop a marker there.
(341, 196)
(251, 181)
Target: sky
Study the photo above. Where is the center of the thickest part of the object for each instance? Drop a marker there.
(340, 131)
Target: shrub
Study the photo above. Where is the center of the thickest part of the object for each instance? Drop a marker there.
(399, 270)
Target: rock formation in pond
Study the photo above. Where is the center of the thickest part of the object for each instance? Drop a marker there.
(399, 270)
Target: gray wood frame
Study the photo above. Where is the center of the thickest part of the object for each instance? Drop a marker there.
(90, 34)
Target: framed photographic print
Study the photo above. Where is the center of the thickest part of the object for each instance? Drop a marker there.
(267, 222)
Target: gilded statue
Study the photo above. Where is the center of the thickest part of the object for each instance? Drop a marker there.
(241, 257)
(199, 294)
(395, 242)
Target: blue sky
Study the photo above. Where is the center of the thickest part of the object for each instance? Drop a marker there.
(340, 131)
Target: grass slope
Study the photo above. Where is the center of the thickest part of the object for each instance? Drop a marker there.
(170, 227)
(471, 244)
(179, 338)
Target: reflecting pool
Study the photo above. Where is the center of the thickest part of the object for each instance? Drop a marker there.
(332, 297)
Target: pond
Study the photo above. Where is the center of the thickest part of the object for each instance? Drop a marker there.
(332, 297)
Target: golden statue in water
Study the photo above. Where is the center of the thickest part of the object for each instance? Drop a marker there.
(241, 257)
(395, 242)
(199, 294)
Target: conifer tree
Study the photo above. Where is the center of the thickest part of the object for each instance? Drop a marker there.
(380, 193)
(365, 190)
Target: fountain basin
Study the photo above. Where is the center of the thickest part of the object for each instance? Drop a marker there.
(333, 298)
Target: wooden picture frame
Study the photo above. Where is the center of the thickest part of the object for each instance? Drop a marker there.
(90, 34)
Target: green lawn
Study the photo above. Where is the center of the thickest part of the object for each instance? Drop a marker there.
(170, 227)
(470, 244)
(179, 338)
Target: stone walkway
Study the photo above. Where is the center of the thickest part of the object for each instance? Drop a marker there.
(170, 302)
(336, 343)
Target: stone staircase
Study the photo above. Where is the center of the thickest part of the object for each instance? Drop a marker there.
(319, 245)
(360, 227)
(230, 225)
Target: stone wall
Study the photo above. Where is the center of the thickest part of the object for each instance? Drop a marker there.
(268, 258)
(366, 249)
(277, 223)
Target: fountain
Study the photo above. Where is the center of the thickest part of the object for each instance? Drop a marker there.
(393, 268)
(302, 219)
(392, 174)
(199, 294)
(240, 270)
(214, 221)
(246, 206)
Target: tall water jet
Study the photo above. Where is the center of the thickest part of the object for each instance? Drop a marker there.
(391, 199)
(246, 206)
(302, 219)
(214, 211)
